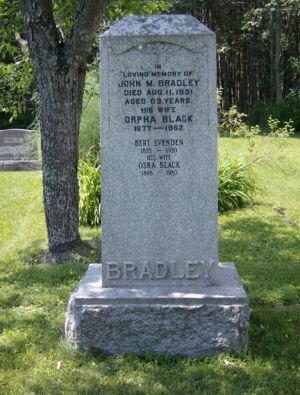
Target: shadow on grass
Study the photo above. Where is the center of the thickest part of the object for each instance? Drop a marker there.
(50, 276)
(267, 255)
(126, 374)
(32, 270)
(28, 332)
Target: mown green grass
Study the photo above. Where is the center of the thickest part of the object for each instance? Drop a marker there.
(264, 242)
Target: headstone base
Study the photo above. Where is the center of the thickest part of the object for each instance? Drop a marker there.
(194, 321)
(24, 165)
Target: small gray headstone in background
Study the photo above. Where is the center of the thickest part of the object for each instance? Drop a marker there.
(158, 152)
(162, 289)
(18, 144)
(19, 149)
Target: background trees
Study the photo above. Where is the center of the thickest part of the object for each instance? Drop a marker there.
(16, 76)
(258, 47)
(258, 50)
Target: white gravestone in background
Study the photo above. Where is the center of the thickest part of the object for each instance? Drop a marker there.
(161, 289)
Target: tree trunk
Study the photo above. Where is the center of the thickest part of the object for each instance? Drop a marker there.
(60, 67)
(272, 56)
(61, 107)
(277, 54)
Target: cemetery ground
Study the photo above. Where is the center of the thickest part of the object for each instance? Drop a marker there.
(264, 242)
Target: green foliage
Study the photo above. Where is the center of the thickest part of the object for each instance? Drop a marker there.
(237, 181)
(16, 74)
(288, 108)
(119, 8)
(237, 184)
(277, 132)
(64, 14)
(89, 189)
(263, 24)
(89, 135)
(16, 85)
(232, 124)
(10, 23)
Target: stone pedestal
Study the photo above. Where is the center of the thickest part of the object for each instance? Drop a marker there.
(25, 165)
(190, 321)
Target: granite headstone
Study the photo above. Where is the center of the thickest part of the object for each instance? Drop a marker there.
(159, 152)
(161, 289)
(18, 149)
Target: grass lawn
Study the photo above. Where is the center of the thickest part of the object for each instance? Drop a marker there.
(264, 242)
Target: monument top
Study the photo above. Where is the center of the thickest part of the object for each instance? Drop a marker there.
(157, 25)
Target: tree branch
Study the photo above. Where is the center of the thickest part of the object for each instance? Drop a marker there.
(40, 27)
(85, 26)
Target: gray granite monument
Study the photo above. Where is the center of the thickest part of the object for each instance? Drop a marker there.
(18, 149)
(160, 288)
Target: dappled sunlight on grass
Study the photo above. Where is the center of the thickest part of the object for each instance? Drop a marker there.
(40, 284)
(265, 251)
(274, 334)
